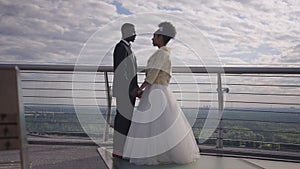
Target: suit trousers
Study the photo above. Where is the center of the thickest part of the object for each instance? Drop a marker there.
(122, 122)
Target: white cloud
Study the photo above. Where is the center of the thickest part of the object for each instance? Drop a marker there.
(49, 31)
(241, 31)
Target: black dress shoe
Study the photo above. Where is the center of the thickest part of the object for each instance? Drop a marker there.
(126, 159)
(117, 156)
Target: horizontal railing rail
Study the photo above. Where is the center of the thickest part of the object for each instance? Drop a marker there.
(175, 69)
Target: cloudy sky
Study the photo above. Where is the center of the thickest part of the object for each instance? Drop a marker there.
(241, 32)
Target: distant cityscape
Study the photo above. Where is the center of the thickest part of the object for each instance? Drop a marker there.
(270, 128)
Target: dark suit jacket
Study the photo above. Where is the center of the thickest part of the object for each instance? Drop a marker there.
(125, 70)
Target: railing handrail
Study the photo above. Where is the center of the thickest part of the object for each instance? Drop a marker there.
(176, 69)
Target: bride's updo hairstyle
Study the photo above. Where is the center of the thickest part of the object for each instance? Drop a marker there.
(167, 30)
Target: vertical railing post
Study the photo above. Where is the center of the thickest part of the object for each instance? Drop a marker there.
(219, 143)
(108, 114)
(23, 136)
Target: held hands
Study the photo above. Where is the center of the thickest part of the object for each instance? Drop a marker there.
(140, 90)
(137, 93)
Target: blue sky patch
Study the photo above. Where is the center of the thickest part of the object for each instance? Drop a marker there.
(121, 9)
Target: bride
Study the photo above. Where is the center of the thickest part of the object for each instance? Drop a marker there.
(159, 132)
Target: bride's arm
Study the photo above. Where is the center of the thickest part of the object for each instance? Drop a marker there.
(144, 85)
(154, 66)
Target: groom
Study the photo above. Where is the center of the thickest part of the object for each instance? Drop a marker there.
(125, 87)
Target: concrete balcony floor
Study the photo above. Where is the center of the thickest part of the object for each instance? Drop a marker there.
(205, 162)
(59, 153)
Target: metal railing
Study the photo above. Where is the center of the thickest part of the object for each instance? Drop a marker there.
(252, 102)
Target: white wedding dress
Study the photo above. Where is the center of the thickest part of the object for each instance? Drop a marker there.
(159, 132)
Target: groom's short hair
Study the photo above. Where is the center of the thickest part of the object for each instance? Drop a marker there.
(127, 30)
